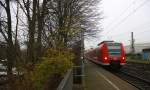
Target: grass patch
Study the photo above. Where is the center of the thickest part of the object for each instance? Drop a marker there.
(140, 61)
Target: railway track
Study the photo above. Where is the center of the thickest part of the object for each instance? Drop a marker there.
(140, 83)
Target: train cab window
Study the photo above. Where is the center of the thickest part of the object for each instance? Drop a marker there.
(114, 49)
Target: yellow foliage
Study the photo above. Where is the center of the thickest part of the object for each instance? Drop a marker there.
(54, 62)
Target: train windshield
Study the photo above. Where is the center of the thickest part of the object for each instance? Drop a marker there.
(114, 49)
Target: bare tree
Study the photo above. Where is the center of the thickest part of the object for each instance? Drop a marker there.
(70, 17)
(10, 45)
(41, 12)
(50, 23)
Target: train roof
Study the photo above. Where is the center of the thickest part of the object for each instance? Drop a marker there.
(109, 42)
(105, 42)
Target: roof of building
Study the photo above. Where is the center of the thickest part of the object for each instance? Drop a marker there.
(146, 50)
(138, 47)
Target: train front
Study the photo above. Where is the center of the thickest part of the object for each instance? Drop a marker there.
(116, 55)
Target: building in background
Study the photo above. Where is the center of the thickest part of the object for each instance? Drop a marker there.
(138, 48)
(146, 54)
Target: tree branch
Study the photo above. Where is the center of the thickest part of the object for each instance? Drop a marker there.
(22, 8)
(2, 5)
(3, 34)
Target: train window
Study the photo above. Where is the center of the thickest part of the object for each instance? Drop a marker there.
(114, 49)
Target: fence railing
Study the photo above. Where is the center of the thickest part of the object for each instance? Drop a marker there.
(78, 73)
(73, 76)
(67, 82)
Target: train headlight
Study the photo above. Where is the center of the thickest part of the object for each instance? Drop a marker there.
(105, 58)
(123, 58)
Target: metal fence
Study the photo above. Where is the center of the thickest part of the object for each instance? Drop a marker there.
(73, 76)
(78, 73)
(67, 82)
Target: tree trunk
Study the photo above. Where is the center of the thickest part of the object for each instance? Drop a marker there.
(41, 14)
(31, 44)
(10, 46)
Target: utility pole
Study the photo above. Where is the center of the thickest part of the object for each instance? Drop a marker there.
(82, 43)
(132, 44)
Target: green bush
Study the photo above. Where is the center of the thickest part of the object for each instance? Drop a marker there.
(53, 65)
(134, 56)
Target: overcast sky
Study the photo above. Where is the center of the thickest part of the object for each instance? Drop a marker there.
(121, 17)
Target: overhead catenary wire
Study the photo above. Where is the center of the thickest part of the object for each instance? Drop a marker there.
(120, 15)
(137, 36)
(143, 28)
(125, 18)
(137, 33)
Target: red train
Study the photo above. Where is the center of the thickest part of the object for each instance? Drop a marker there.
(108, 53)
